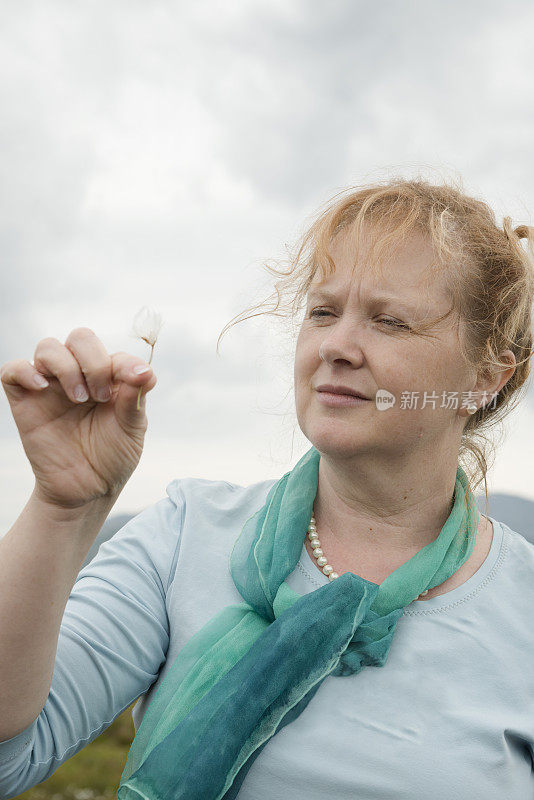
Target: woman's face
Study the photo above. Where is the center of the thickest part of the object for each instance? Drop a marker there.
(356, 339)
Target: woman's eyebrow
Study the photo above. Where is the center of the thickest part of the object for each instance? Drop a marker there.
(379, 297)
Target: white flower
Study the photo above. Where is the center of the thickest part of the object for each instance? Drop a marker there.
(147, 325)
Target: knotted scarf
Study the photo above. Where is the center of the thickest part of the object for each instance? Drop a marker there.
(255, 666)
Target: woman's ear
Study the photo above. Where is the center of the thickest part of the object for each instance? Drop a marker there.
(492, 384)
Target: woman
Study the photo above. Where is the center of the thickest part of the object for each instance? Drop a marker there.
(380, 655)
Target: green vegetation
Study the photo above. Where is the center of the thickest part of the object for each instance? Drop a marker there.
(93, 773)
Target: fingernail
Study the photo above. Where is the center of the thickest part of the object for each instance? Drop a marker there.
(80, 393)
(140, 368)
(39, 380)
(104, 394)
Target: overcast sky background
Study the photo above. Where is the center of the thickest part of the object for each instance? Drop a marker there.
(160, 153)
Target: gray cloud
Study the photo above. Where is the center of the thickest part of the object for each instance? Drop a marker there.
(159, 153)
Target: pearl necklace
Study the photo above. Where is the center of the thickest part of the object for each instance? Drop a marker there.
(319, 555)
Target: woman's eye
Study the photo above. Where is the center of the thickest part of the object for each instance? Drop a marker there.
(320, 312)
(393, 323)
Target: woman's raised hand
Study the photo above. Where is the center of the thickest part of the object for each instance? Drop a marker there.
(79, 449)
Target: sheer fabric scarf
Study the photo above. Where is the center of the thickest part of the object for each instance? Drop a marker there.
(255, 666)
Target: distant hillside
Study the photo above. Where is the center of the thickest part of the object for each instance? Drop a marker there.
(113, 524)
(516, 512)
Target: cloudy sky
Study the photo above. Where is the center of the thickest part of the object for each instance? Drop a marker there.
(161, 153)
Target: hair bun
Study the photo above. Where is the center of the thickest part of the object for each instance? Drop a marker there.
(523, 231)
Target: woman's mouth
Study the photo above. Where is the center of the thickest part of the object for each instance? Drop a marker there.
(331, 399)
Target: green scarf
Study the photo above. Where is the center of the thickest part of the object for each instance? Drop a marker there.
(255, 666)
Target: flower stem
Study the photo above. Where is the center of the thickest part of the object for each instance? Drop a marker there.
(140, 389)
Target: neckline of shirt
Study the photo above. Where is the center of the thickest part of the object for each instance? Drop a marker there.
(440, 602)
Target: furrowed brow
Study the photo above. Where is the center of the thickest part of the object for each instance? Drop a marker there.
(324, 294)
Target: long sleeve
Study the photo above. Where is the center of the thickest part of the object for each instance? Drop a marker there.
(113, 639)
(450, 714)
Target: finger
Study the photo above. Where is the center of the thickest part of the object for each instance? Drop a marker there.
(94, 362)
(20, 374)
(56, 363)
(126, 401)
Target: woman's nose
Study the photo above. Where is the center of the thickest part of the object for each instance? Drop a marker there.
(341, 344)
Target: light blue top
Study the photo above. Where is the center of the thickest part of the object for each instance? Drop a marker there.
(450, 714)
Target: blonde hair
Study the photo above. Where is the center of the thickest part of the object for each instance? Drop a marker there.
(489, 273)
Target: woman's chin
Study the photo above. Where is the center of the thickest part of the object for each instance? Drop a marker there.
(334, 444)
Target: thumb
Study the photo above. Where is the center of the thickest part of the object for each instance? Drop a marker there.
(130, 403)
